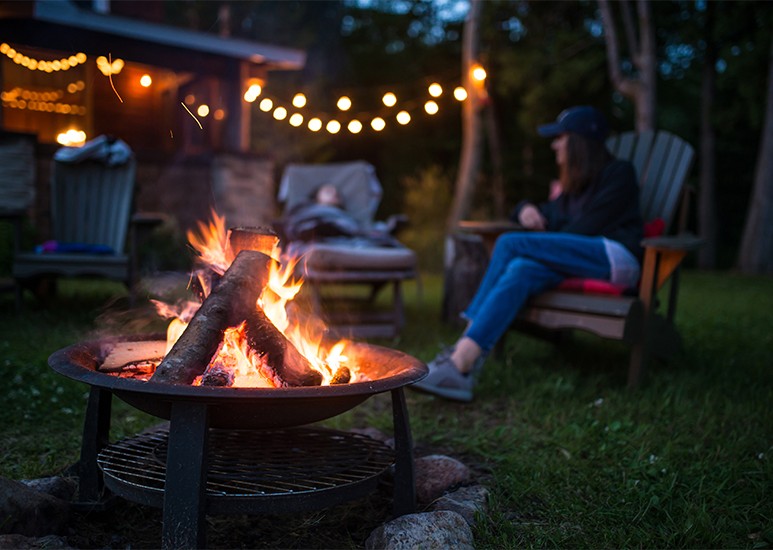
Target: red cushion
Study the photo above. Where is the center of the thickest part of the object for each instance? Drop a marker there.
(591, 286)
(654, 228)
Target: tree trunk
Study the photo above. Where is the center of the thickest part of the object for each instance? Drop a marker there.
(756, 253)
(707, 213)
(471, 123)
(642, 90)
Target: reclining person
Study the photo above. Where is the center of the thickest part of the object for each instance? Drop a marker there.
(324, 218)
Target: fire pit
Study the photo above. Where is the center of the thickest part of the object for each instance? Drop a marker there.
(239, 376)
(181, 468)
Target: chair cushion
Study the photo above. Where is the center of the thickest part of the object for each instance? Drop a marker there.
(592, 286)
(354, 256)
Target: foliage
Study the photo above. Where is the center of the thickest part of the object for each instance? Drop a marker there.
(571, 457)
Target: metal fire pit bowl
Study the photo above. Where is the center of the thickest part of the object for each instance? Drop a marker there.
(249, 408)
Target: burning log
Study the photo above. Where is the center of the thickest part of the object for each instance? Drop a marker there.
(341, 376)
(231, 301)
(218, 374)
(290, 367)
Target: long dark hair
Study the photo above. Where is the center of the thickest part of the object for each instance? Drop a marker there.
(585, 159)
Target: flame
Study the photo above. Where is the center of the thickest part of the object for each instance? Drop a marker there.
(235, 358)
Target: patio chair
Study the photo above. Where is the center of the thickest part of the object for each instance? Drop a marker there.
(662, 162)
(91, 206)
(346, 272)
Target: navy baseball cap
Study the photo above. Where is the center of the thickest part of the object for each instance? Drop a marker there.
(586, 121)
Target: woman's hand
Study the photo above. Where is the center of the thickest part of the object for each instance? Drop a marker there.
(531, 218)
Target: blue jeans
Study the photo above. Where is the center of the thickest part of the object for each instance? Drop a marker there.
(523, 264)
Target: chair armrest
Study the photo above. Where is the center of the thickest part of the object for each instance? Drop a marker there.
(683, 241)
(662, 257)
(396, 223)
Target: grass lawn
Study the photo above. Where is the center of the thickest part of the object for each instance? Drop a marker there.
(571, 457)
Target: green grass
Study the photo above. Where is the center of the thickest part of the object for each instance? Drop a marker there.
(572, 458)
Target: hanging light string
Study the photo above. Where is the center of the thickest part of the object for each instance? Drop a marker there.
(63, 64)
(394, 110)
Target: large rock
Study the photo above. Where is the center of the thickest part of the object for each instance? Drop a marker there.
(428, 531)
(25, 511)
(436, 474)
(465, 501)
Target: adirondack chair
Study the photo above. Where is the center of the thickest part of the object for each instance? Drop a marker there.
(347, 274)
(662, 162)
(91, 205)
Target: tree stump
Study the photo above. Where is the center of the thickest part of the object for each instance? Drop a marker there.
(465, 262)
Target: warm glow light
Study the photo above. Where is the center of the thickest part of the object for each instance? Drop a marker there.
(296, 119)
(378, 124)
(403, 117)
(219, 114)
(431, 107)
(107, 68)
(344, 103)
(280, 113)
(190, 99)
(299, 100)
(266, 105)
(389, 99)
(145, 80)
(333, 127)
(71, 138)
(435, 90)
(460, 94)
(252, 93)
(203, 110)
(315, 125)
(355, 126)
(478, 73)
(41, 65)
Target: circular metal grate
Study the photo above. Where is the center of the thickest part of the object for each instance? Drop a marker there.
(254, 463)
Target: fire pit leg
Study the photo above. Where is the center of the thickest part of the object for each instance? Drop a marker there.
(96, 433)
(405, 480)
(186, 475)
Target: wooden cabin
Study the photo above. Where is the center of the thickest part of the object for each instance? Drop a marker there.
(176, 96)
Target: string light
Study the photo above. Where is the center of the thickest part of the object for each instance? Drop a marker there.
(389, 99)
(377, 123)
(146, 81)
(107, 68)
(203, 110)
(33, 64)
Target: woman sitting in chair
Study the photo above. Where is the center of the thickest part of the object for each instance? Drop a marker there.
(591, 229)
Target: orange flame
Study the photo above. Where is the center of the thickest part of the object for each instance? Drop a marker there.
(235, 357)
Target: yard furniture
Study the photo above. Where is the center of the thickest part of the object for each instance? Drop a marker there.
(91, 210)
(347, 274)
(662, 162)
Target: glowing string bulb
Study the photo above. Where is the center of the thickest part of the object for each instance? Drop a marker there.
(296, 119)
(378, 124)
(266, 105)
(403, 117)
(203, 110)
(460, 94)
(145, 80)
(280, 113)
(389, 99)
(435, 90)
(315, 124)
(299, 100)
(431, 107)
(344, 103)
(478, 73)
(355, 126)
(333, 127)
(252, 93)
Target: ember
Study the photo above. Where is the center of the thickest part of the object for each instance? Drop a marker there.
(240, 333)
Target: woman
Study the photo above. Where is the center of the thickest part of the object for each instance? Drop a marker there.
(592, 229)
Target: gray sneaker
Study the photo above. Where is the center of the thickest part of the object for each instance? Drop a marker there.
(444, 380)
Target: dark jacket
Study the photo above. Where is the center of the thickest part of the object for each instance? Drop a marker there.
(608, 207)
